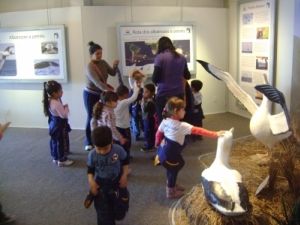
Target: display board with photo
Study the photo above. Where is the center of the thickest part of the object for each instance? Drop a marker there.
(256, 41)
(33, 54)
(138, 44)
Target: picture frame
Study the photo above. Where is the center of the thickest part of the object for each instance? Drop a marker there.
(33, 54)
(138, 44)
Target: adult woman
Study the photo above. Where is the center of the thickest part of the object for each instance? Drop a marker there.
(96, 73)
(170, 72)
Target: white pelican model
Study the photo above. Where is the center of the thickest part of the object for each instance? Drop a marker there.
(267, 128)
(222, 185)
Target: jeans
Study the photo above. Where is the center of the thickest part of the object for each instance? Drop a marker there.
(89, 101)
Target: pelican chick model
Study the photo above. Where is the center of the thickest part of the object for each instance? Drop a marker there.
(222, 185)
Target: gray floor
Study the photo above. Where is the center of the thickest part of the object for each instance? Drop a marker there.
(39, 193)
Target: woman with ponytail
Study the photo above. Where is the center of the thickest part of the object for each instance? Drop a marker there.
(97, 72)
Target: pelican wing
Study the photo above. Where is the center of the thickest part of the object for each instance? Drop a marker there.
(274, 95)
(232, 85)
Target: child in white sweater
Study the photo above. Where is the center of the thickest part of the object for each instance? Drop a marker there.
(122, 113)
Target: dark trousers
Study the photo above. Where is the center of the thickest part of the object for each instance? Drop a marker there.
(149, 132)
(57, 148)
(126, 134)
(173, 167)
(104, 205)
(111, 202)
(160, 103)
(89, 100)
(59, 137)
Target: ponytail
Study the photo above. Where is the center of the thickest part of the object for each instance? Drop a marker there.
(50, 87)
(45, 101)
(97, 110)
(108, 96)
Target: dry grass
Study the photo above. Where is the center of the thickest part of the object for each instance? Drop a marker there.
(253, 161)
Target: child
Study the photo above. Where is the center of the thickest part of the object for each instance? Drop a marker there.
(197, 114)
(169, 152)
(103, 115)
(107, 177)
(135, 108)
(59, 127)
(148, 111)
(122, 113)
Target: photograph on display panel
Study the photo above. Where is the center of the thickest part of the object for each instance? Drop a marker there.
(256, 44)
(33, 54)
(138, 44)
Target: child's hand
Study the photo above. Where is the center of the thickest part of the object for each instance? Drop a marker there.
(221, 133)
(109, 87)
(94, 188)
(115, 63)
(123, 141)
(123, 181)
(3, 127)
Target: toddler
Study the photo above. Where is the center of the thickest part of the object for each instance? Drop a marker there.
(173, 131)
(59, 127)
(107, 178)
(148, 112)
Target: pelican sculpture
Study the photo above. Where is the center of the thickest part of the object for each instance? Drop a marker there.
(267, 128)
(222, 185)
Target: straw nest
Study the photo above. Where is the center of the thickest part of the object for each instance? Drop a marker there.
(254, 161)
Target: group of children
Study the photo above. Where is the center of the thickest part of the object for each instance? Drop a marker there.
(115, 117)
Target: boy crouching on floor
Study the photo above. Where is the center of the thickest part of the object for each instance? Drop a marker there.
(107, 177)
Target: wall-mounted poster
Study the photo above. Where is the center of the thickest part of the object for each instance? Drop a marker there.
(34, 54)
(138, 44)
(256, 44)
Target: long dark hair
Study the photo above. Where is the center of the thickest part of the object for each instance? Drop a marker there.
(108, 96)
(165, 43)
(50, 87)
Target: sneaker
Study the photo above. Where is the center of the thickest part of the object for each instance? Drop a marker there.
(144, 149)
(7, 220)
(54, 161)
(173, 193)
(88, 147)
(65, 163)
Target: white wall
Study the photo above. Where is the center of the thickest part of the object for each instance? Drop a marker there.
(21, 103)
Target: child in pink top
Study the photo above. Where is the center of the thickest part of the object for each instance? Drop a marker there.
(59, 127)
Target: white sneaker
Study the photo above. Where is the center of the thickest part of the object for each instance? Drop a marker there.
(88, 147)
(54, 161)
(65, 163)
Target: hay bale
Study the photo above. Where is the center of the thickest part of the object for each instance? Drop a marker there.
(193, 209)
